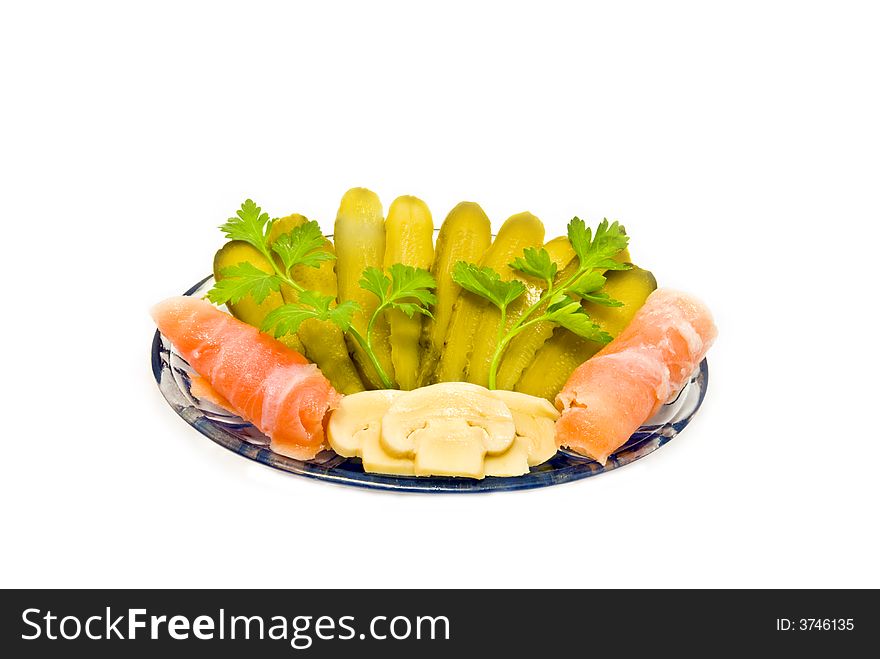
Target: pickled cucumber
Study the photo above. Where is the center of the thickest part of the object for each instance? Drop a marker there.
(471, 313)
(246, 309)
(565, 351)
(409, 239)
(465, 235)
(359, 235)
(324, 342)
(560, 252)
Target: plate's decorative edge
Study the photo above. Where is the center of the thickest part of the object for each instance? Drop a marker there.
(582, 468)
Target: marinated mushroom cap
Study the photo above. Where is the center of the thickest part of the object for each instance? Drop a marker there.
(354, 427)
(448, 428)
(358, 418)
(535, 420)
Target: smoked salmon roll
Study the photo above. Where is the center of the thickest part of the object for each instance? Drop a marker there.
(264, 381)
(608, 397)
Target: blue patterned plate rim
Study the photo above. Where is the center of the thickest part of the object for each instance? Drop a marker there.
(172, 376)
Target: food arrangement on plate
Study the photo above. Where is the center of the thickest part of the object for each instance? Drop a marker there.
(471, 357)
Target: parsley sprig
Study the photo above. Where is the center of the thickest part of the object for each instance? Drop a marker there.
(561, 301)
(407, 289)
(304, 245)
(404, 287)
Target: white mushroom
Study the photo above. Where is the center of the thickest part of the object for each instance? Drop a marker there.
(535, 420)
(357, 418)
(448, 428)
(354, 429)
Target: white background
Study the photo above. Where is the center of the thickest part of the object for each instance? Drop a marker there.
(739, 144)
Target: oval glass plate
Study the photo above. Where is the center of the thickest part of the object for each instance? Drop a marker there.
(173, 376)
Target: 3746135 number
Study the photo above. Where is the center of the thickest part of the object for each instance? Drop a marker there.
(826, 624)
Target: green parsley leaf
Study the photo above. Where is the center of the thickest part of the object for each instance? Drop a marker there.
(250, 224)
(303, 245)
(590, 282)
(535, 263)
(287, 318)
(569, 313)
(602, 298)
(375, 281)
(411, 308)
(408, 282)
(599, 250)
(340, 314)
(487, 283)
(407, 288)
(238, 281)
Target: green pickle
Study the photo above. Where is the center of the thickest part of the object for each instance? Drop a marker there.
(465, 235)
(359, 234)
(565, 351)
(472, 313)
(409, 239)
(324, 341)
(246, 309)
